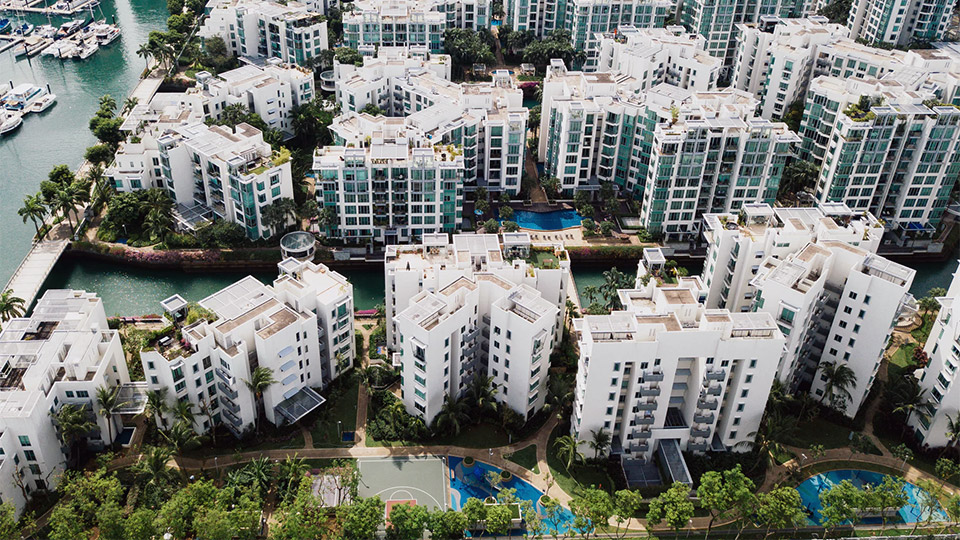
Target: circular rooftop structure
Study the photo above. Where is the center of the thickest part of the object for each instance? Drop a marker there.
(298, 244)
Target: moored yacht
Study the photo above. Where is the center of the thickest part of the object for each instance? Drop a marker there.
(43, 103)
(9, 121)
(22, 96)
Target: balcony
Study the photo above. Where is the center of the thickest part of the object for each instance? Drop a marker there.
(642, 447)
(230, 392)
(644, 420)
(647, 405)
(697, 446)
(716, 374)
(700, 431)
(652, 390)
(642, 434)
(652, 376)
(707, 404)
(714, 389)
(230, 405)
(232, 418)
(224, 376)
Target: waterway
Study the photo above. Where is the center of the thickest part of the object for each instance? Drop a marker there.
(60, 135)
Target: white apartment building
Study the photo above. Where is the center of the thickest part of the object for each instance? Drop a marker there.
(406, 23)
(231, 174)
(776, 58)
(585, 18)
(738, 243)
(666, 374)
(475, 305)
(260, 29)
(899, 22)
(717, 21)
(388, 189)
(486, 122)
(834, 303)
(61, 354)
(379, 67)
(939, 378)
(656, 55)
(301, 329)
(886, 149)
(271, 92)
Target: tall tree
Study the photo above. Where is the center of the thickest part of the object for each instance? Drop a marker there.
(260, 380)
(181, 437)
(840, 504)
(362, 519)
(10, 306)
(591, 507)
(780, 508)
(481, 396)
(839, 379)
(109, 402)
(74, 425)
(452, 416)
(672, 507)
(33, 210)
(157, 406)
(723, 493)
(407, 522)
(599, 442)
(568, 450)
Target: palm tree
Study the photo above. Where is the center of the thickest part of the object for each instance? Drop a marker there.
(10, 306)
(775, 430)
(65, 203)
(109, 401)
(839, 379)
(157, 405)
(600, 442)
(108, 103)
(145, 52)
(157, 224)
(290, 471)
(184, 412)
(74, 425)
(181, 437)
(913, 399)
(559, 394)
(568, 451)
(452, 415)
(260, 380)
(34, 210)
(952, 432)
(152, 470)
(130, 103)
(273, 217)
(482, 396)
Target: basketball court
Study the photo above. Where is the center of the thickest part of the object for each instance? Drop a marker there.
(420, 480)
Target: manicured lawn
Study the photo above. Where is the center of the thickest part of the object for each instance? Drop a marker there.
(820, 431)
(526, 458)
(901, 360)
(579, 475)
(923, 332)
(343, 407)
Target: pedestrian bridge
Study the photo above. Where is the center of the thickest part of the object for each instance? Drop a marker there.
(35, 268)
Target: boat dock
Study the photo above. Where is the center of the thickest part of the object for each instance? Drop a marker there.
(9, 42)
(35, 268)
(39, 6)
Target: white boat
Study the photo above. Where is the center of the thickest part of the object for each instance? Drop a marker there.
(69, 28)
(23, 29)
(87, 48)
(9, 121)
(106, 33)
(22, 96)
(45, 30)
(61, 49)
(42, 104)
(31, 46)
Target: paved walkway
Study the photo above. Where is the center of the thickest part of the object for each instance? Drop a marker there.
(36, 266)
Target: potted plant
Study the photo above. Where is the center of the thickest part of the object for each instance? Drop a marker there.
(468, 462)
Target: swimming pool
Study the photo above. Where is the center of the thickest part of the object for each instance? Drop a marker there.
(547, 221)
(811, 488)
(466, 482)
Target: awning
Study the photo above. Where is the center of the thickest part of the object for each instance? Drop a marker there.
(672, 457)
(133, 396)
(299, 405)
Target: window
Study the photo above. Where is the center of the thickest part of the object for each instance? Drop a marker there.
(749, 379)
(24, 440)
(740, 407)
(866, 299)
(609, 410)
(82, 394)
(744, 393)
(29, 455)
(616, 366)
(852, 295)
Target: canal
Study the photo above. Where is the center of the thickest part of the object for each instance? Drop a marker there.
(60, 134)
(135, 291)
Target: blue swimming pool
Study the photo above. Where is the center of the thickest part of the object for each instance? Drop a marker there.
(466, 482)
(811, 488)
(547, 221)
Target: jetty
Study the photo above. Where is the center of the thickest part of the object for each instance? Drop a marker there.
(39, 6)
(35, 268)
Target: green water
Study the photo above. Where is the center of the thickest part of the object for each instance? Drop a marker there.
(60, 134)
(136, 291)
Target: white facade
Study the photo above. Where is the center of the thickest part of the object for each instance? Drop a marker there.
(857, 127)
(301, 329)
(293, 32)
(939, 378)
(656, 55)
(486, 122)
(59, 355)
(776, 58)
(666, 372)
(738, 244)
(475, 306)
(835, 303)
(232, 173)
(271, 92)
(899, 23)
(404, 23)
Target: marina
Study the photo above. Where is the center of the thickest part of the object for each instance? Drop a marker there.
(63, 7)
(18, 101)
